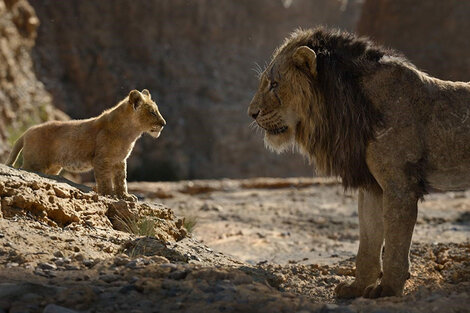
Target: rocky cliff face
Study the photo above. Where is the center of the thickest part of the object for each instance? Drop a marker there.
(23, 98)
(196, 58)
(432, 34)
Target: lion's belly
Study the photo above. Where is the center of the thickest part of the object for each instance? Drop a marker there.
(452, 179)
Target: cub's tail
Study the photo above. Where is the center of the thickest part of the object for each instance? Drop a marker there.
(15, 151)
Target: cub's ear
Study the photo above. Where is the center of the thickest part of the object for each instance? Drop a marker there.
(135, 98)
(146, 93)
(306, 59)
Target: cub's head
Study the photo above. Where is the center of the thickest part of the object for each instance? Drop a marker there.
(281, 105)
(146, 112)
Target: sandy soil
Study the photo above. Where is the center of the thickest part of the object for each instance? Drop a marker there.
(259, 245)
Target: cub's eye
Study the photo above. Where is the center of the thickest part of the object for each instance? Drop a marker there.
(273, 85)
(154, 113)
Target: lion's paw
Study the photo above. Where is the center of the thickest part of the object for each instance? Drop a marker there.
(347, 290)
(380, 290)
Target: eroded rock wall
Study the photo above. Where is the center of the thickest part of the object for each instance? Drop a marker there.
(196, 58)
(23, 99)
(432, 33)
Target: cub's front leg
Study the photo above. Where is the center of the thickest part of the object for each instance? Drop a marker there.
(120, 183)
(103, 176)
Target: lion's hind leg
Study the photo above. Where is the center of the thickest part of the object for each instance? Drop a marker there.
(371, 237)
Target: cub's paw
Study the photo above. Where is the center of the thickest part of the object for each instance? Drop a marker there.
(347, 290)
(380, 290)
(128, 197)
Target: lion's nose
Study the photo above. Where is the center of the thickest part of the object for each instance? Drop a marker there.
(254, 115)
(163, 122)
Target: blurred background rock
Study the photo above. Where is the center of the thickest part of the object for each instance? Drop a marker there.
(197, 58)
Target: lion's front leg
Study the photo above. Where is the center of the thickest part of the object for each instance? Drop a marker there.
(368, 260)
(400, 213)
(120, 183)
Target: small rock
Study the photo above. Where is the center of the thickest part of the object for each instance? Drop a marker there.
(52, 308)
(88, 263)
(134, 264)
(44, 273)
(71, 267)
(2, 235)
(47, 266)
(109, 278)
(108, 249)
(121, 259)
(178, 275)
(59, 261)
(60, 192)
(79, 256)
(159, 259)
(58, 254)
(127, 288)
(169, 265)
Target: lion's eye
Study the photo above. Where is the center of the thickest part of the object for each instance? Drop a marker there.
(154, 113)
(273, 85)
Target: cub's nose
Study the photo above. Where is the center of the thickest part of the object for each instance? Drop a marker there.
(254, 115)
(162, 122)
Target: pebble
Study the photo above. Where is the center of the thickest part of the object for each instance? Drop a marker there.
(59, 261)
(2, 235)
(169, 265)
(88, 263)
(121, 259)
(71, 267)
(58, 254)
(127, 288)
(45, 273)
(47, 266)
(79, 256)
(137, 263)
(109, 278)
(53, 308)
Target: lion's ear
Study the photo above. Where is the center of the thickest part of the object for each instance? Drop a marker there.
(146, 93)
(306, 59)
(135, 98)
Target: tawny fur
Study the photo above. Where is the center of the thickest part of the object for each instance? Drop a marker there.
(367, 115)
(102, 143)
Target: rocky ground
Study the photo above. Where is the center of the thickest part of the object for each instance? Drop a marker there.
(258, 245)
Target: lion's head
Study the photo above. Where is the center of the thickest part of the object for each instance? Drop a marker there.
(146, 112)
(310, 97)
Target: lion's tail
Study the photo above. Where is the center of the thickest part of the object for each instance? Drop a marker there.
(15, 151)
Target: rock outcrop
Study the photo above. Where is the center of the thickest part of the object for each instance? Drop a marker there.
(432, 34)
(196, 58)
(23, 99)
(56, 201)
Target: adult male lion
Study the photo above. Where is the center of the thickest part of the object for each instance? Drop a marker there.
(369, 116)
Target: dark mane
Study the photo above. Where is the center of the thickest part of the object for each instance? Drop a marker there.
(347, 119)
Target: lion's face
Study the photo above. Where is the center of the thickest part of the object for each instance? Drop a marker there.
(147, 113)
(280, 105)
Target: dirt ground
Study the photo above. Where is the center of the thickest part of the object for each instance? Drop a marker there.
(258, 245)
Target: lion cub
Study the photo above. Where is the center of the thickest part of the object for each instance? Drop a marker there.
(102, 143)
